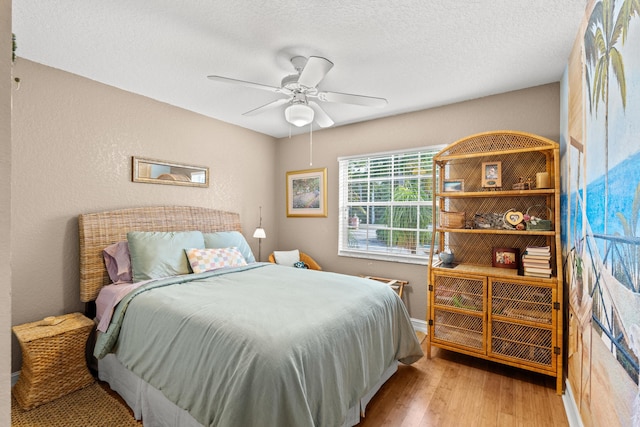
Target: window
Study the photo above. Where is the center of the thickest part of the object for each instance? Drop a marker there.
(386, 205)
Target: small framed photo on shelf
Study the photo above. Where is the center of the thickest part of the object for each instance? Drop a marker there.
(505, 257)
(453, 185)
(492, 174)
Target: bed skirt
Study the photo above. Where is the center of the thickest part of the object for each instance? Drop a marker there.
(150, 405)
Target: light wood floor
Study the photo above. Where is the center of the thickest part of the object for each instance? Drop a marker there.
(452, 389)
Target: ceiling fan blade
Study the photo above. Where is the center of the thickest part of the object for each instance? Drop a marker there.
(346, 98)
(321, 117)
(266, 107)
(314, 71)
(246, 84)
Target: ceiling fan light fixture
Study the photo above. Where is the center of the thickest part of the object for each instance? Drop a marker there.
(298, 93)
(299, 114)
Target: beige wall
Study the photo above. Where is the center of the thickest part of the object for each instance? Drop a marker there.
(5, 211)
(535, 110)
(71, 148)
(73, 139)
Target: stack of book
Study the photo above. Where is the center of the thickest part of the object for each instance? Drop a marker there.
(536, 261)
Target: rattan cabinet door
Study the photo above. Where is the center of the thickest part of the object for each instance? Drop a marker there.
(458, 312)
(522, 323)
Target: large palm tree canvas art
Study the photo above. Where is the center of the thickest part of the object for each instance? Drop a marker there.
(601, 194)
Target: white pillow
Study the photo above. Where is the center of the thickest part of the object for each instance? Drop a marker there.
(287, 258)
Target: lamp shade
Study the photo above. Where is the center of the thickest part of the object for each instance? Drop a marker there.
(299, 114)
(259, 233)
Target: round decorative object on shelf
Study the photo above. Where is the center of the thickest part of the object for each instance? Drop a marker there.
(446, 257)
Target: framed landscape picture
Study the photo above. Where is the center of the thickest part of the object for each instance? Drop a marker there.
(307, 193)
(453, 185)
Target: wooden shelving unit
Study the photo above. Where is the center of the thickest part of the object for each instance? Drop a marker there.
(475, 308)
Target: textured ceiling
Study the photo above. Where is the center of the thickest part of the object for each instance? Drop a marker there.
(415, 53)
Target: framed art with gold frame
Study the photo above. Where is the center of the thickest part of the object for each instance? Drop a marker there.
(162, 172)
(307, 193)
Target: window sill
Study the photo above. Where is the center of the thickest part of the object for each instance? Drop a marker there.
(406, 259)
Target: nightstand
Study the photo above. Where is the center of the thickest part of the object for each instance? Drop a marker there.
(53, 359)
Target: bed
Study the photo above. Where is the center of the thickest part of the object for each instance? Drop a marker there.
(253, 344)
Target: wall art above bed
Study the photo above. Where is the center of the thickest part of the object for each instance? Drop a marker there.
(161, 172)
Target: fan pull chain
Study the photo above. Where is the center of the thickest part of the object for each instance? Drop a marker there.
(310, 144)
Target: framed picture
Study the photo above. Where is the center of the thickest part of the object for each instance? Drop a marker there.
(492, 174)
(505, 257)
(453, 185)
(307, 193)
(161, 172)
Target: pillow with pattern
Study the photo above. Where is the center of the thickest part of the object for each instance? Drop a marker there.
(202, 260)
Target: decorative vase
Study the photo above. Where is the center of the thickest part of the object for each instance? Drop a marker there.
(446, 257)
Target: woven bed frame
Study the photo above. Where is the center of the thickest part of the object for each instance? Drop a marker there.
(99, 230)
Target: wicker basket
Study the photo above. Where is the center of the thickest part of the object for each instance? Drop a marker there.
(540, 224)
(450, 219)
(53, 359)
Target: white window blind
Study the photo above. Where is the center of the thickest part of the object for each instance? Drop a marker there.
(386, 205)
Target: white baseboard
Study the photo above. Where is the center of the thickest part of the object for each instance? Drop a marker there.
(419, 325)
(570, 407)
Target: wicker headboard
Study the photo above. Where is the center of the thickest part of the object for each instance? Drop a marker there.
(99, 230)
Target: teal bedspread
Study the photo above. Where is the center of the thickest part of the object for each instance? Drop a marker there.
(262, 345)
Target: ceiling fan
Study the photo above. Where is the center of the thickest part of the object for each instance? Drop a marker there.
(300, 90)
